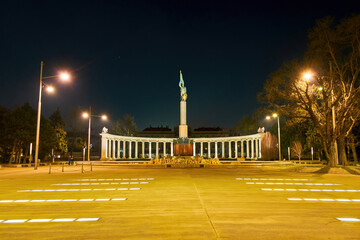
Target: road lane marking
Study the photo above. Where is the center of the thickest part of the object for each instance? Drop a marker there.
(83, 184)
(349, 219)
(63, 200)
(88, 189)
(324, 199)
(309, 190)
(115, 179)
(272, 179)
(47, 220)
(291, 183)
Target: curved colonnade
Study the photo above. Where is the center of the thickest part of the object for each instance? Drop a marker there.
(125, 147)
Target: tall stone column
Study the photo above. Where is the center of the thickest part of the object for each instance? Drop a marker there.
(194, 148)
(157, 150)
(242, 148)
(103, 147)
(259, 147)
(108, 148)
(183, 128)
(247, 149)
(201, 149)
(209, 149)
(256, 148)
(230, 150)
(150, 150)
(143, 149)
(130, 153)
(164, 149)
(136, 149)
(223, 149)
(252, 149)
(113, 147)
(236, 150)
(124, 149)
(216, 150)
(172, 149)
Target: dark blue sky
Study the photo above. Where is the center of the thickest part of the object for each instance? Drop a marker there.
(126, 55)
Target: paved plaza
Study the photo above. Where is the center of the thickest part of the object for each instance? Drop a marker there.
(198, 203)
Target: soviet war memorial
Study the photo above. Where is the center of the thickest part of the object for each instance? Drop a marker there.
(182, 149)
(179, 120)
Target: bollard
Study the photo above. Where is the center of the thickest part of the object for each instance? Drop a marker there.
(91, 167)
(82, 167)
(62, 167)
(50, 168)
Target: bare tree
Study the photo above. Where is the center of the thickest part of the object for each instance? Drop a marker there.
(297, 149)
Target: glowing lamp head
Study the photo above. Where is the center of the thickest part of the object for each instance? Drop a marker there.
(50, 89)
(85, 115)
(268, 118)
(308, 75)
(321, 88)
(65, 76)
(275, 115)
(104, 117)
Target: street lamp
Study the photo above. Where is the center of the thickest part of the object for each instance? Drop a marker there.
(275, 115)
(88, 115)
(63, 76)
(307, 76)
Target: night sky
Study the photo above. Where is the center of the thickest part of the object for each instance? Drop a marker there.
(125, 56)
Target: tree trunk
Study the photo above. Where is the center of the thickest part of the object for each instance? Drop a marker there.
(332, 161)
(342, 151)
(26, 155)
(353, 148)
(12, 156)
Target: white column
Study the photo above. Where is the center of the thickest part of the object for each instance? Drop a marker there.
(172, 149)
(194, 148)
(229, 149)
(236, 149)
(209, 149)
(259, 147)
(242, 148)
(164, 149)
(143, 149)
(103, 147)
(201, 149)
(130, 156)
(216, 150)
(256, 148)
(223, 149)
(150, 150)
(247, 149)
(252, 149)
(113, 149)
(136, 149)
(157, 150)
(124, 149)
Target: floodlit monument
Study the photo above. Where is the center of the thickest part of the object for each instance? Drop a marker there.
(115, 147)
(182, 144)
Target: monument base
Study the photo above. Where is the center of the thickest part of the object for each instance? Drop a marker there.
(183, 149)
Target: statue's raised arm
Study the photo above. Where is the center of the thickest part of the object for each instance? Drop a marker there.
(182, 88)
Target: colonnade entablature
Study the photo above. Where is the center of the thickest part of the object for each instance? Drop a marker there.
(128, 147)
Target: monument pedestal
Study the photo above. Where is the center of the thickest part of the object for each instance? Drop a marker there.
(183, 149)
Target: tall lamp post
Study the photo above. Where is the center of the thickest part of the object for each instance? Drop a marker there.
(275, 115)
(307, 76)
(64, 76)
(89, 115)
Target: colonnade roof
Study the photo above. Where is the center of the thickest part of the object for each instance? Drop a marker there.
(152, 139)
